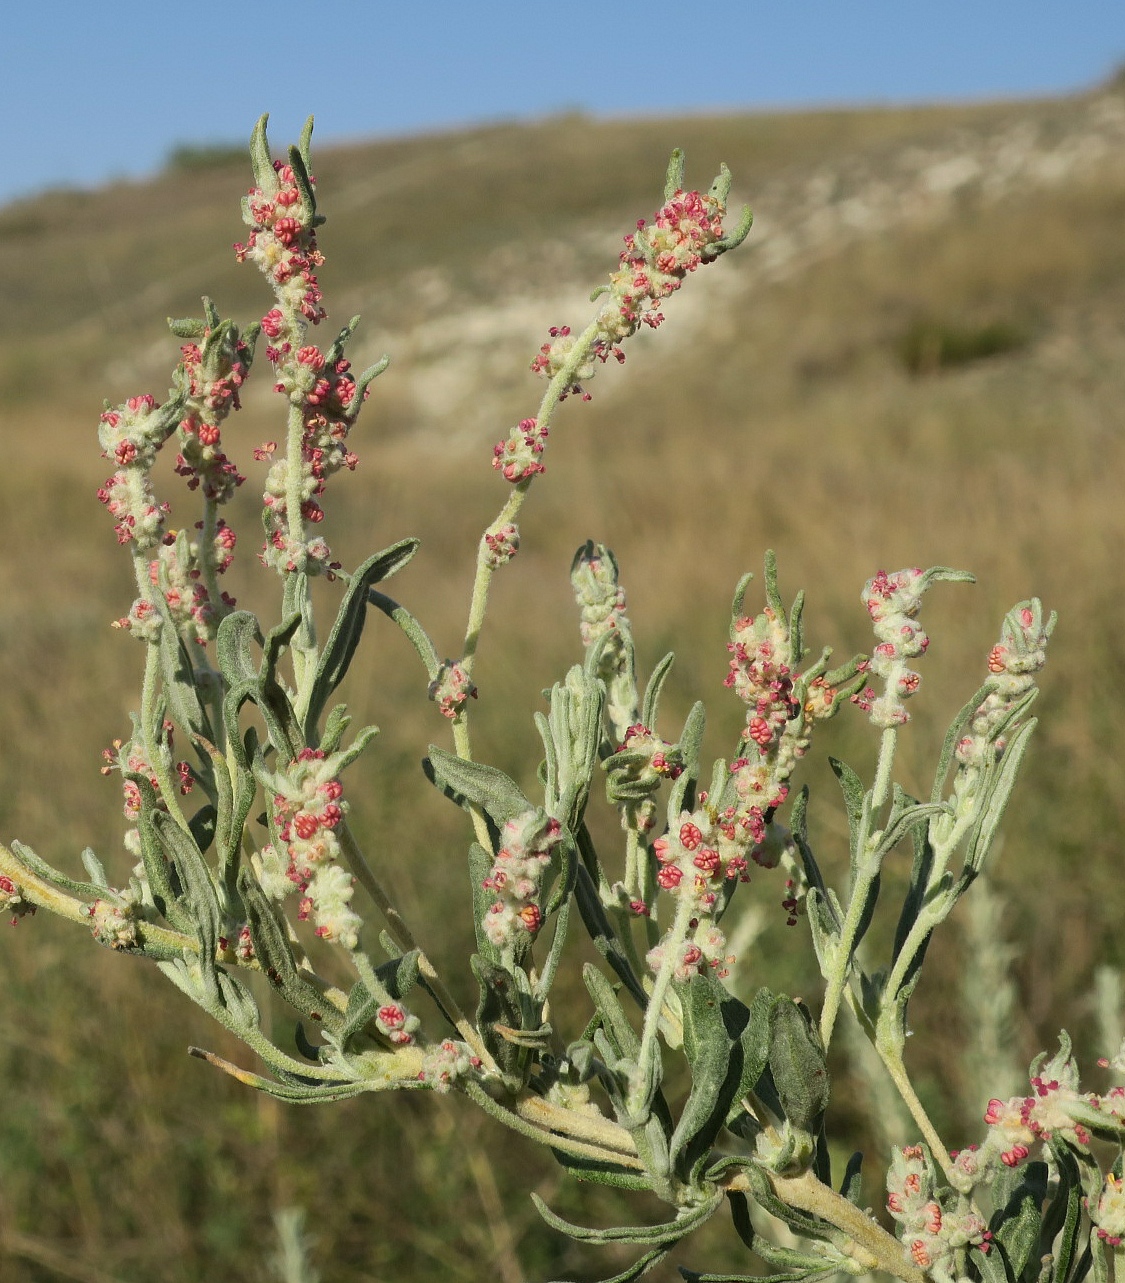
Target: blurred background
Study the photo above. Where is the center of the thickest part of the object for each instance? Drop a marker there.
(916, 359)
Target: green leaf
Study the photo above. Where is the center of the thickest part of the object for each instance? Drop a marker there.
(906, 814)
(690, 742)
(475, 784)
(240, 1013)
(260, 158)
(335, 724)
(271, 697)
(549, 767)
(993, 1266)
(595, 1172)
(202, 826)
(915, 898)
(641, 1266)
(398, 977)
(1000, 790)
(1016, 1226)
(953, 737)
(199, 893)
(166, 895)
(802, 1223)
(773, 596)
(37, 865)
(855, 798)
(411, 629)
(716, 1044)
(674, 178)
(624, 1039)
(304, 143)
(1062, 1219)
(668, 1233)
(592, 912)
(780, 1276)
(651, 704)
(233, 641)
(797, 1064)
(572, 737)
(738, 604)
(95, 869)
(187, 327)
(275, 954)
(368, 376)
(361, 1007)
(178, 676)
(501, 1004)
(296, 1093)
(852, 1185)
(480, 866)
(362, 738)
(1099, 1259)
(222, 813)
(736, 234)
(250, 692)
(340, 648)
(560, 907)
(829, 919)
(796, 635)
(230, 851)
(305, 187)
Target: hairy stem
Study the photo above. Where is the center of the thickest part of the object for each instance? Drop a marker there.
(882, 1250)
(866, 864)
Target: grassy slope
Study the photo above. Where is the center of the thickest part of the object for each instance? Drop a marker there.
(774, 409)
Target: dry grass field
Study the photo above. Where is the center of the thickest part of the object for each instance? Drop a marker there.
(918, 358)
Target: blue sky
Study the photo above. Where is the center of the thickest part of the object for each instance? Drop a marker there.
(91, 91)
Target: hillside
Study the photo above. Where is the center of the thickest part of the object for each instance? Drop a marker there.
(918, 357)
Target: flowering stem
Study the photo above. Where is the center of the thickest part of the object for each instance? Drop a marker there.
(485, 569)
(482, 582)
(880, 790)
(294, 520)
(208, 527)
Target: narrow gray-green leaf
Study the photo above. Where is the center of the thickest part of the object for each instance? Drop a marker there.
(237, 633)
(597, 925)
(651, 704)
(347, 629)
(275, 954)
(1016, 1226)
(667, 1232)
(798, 1064)
(625, 1040)
(1000, 790)
(854, 798)
(714, 1024)
(474, 782)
